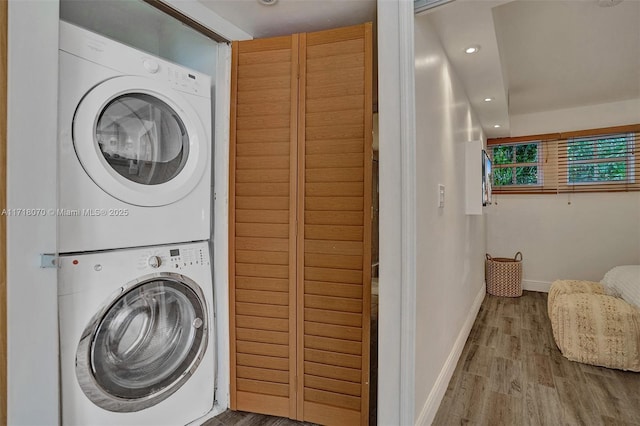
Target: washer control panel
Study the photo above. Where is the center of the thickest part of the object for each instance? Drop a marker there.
(173, 258)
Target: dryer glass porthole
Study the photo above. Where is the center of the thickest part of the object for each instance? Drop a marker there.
(144, 345)
(142, 138)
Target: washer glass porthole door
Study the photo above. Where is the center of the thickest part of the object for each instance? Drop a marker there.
(144, 345)
(142, 138)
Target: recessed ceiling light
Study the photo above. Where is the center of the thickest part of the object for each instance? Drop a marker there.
(488, 99)
(496, 126)
(472, 49)
(267, 2)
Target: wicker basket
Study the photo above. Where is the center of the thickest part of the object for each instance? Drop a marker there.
(504, 275)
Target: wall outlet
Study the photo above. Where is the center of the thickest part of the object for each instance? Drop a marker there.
(440, 196)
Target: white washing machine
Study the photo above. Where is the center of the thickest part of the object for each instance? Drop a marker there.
(134, 147)
(136, 336)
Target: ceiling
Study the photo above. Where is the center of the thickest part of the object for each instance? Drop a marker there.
(292, 16)
(534, 55)
(541, 55)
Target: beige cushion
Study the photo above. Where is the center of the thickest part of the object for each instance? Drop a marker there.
(560, 287)
(597, 329)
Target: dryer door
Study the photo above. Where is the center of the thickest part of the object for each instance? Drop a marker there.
(140, 141)
(144, 344)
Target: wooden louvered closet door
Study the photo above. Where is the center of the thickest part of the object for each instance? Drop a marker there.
(262, 220)
(300, 225)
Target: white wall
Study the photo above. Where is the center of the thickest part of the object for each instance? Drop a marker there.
(580, 118)
(450, 244)
(578, 236)
(31, 183)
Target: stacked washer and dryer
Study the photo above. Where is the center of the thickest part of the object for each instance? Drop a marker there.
(135, 288)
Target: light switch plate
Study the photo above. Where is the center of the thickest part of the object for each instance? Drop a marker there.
(440, 195)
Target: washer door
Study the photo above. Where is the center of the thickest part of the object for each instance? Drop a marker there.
(144, 344)
(140, 141)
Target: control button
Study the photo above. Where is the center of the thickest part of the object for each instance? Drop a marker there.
(151, 66)
(154, 261)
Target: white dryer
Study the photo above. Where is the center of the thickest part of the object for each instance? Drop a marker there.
(136, 336)
(135, 147)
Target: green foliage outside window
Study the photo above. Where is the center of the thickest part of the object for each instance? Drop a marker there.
(586, 159)
(522, 156)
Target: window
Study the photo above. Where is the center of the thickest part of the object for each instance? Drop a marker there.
(605, 159)
(516, 164)
(596, 160)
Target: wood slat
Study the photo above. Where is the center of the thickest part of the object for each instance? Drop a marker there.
(333, 261)
(333, 232)
(262, 230)
(261, 283)
(261, 271)
(335, 103)
(336, 132)
(264, 203)
(262, 216)
(334, 118)
(332, 385)
(262, 323)
(262, 336)
(262, 244)
(333, 146)
(263, 45)
(263, 96)
(330, 161)
(264, 404)
(280, 351)
(333, 399)
(269, 311)
(335, 189)
(324, 50)
(335, 416)
(266, 57)
(263, 122)
(333, 358)
(263, 374)
(345, 276)
(333, 218)
(261, 162)
(262, 189)
(349, 291)
(334, 203)
(274, 69)
(262, 297)
(269, 362)
(354, 174)
(329, 77)
(336, 90)
(262, 136)
(332, 372)
(264, 83)
(336, 62)
(333, 317)
(332, 303)
(348, 248)
(262, 149)
(333, 331)
(262, 176)
(262, 257)
(267, 388)
(264, 109)
(333, 345)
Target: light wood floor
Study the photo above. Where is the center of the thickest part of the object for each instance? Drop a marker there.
(512, 373)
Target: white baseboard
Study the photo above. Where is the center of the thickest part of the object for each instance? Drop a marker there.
(531, 285)
(430, 408)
